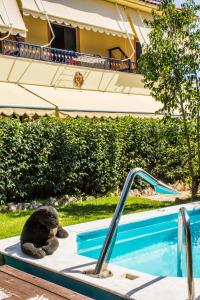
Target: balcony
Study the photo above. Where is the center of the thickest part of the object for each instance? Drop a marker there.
(65, 57)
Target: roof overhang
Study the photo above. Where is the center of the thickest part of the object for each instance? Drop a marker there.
(146, 6)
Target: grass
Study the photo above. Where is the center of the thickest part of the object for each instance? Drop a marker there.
(11, 223)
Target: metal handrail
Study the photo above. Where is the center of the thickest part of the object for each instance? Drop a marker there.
(106, 252)
(184, 222)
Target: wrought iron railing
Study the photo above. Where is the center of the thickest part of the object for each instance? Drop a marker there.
(20, 49)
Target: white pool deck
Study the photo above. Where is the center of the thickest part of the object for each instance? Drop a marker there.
(67, 262)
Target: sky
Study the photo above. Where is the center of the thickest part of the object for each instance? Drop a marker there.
(179, 2)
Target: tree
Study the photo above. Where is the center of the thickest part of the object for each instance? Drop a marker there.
(170, 64)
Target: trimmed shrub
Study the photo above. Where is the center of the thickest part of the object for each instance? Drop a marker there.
(154, 145)
(85, 156)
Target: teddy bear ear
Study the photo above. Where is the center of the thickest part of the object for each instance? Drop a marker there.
(43, 210)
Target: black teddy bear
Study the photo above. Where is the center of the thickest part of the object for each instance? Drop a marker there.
(40, 232)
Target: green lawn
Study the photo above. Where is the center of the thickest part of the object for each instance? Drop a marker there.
(11, 223)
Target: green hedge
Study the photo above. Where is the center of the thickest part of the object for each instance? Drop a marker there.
(85, 156)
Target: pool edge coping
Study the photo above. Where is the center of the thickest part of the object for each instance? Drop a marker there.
(74, 230)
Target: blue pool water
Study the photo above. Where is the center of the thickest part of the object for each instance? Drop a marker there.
(148, 246)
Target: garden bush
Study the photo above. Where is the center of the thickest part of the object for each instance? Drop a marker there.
(76, 156)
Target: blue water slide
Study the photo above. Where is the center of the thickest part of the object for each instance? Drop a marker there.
(158, 186)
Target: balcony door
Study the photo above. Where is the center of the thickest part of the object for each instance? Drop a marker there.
(65, 37)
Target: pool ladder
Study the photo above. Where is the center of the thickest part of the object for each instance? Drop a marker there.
(184, 227)
(107, 249)
(183, 222)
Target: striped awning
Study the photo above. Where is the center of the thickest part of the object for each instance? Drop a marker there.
(98, 15)
(11, 19)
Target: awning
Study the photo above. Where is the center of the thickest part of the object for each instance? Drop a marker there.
(16, 99)
(10, 17)
(71, 100)
(137, 18)
(42, 100)
(33, 99)
(98, 15)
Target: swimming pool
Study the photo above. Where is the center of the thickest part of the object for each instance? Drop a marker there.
(148, 246)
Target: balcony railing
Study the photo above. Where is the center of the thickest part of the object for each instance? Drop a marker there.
(20, 49)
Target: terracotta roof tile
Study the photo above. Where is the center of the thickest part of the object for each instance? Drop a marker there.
(156, 2)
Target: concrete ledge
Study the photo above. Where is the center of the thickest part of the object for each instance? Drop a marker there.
(129, 284)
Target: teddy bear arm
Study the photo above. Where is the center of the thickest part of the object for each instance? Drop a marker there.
(61, 233)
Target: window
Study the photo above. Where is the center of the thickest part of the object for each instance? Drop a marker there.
(65, 37)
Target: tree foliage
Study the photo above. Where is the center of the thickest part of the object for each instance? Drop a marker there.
(171, 64)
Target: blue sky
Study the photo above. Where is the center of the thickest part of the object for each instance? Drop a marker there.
(179, 2)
